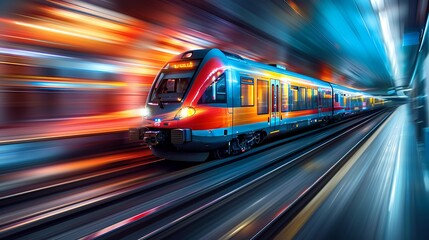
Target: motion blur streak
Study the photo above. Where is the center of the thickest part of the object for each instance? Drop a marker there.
(70, 68)
(45, 173)
(104, 54)
(121, 224)
(388, 179)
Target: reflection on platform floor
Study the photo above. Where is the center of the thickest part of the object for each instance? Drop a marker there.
(381, 193)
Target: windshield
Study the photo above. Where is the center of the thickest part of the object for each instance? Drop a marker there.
(171, 86)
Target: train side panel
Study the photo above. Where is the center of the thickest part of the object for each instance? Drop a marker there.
(210, 101)
(262, 95)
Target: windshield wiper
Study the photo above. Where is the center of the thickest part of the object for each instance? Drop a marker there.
(158, 99)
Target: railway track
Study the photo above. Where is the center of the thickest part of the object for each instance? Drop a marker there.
(149, 203)
(211, 208)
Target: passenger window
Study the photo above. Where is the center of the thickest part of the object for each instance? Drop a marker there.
(325, 99)
(262, 99)
(216, 92)
(221, 89)
(308, 99)
(315, 96)
(328, 99)
(302, 98)
(285, 94)
(293, 100)
(246, 92)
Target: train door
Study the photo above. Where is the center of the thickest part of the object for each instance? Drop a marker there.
(275, 113)
(319, 102)
(230, 102)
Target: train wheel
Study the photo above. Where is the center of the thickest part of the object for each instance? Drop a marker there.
(258, 138)
(324, 122)
(221, 153)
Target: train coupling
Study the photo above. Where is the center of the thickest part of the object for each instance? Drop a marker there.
(152, 138)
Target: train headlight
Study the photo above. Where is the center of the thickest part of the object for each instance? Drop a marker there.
(185, 112)
(144, 112)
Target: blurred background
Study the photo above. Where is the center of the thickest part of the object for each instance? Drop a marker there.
(74, 75)
(70, 67)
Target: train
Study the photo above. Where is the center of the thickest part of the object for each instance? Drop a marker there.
(210, 102)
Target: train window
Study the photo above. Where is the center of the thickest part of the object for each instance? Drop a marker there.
(285, 100)
(262, 98)
(171, 87)
(326, 99)
(309, 100)
(315, 96)
(336, 97)
(293, 100)
(323, 98)
(301, 98)
(221, 87)
(216, 92)
(246, 92)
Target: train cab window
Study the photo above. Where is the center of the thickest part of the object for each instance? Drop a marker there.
(216, 92)
(285, 96)
(262, 97)
(171, 87)
(246, 92)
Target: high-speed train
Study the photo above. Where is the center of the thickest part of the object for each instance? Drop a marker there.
(212, 101)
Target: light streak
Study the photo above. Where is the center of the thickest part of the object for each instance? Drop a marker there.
(81, 18)
(62, 32)
(18, 64)
(165, 50)
(25, 53)
(94, 10)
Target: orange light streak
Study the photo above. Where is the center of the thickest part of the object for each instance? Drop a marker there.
(81, 18)
(95, 10)
(64, 80)
(18, 64)
(77, 126)
(29, 39)
(70, 33)
(294, 7)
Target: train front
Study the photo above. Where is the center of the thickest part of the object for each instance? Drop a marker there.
(172, 113)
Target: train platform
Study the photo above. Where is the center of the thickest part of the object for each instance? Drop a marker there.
(382, 192)
(68, 127)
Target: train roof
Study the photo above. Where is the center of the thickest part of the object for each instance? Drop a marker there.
(346, 89)
(195, 54)
(232, 57)
(236, 59)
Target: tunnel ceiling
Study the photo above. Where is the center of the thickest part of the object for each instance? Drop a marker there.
(367, 44)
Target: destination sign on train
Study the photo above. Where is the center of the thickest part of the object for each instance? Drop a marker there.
(183, 65)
